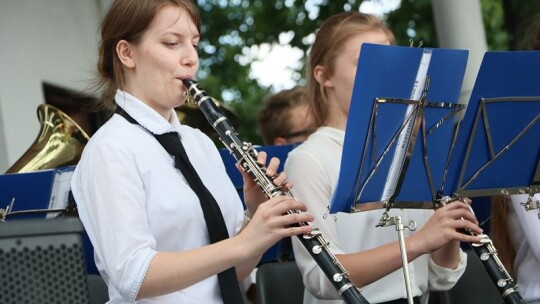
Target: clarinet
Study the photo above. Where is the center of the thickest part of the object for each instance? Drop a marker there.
(244, 153)
(487, 253)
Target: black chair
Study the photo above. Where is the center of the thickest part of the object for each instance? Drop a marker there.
(439, 297)
(42, 261)
(279, 283)
(97, 289)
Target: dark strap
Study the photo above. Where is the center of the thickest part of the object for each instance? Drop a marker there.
(212, 213)
(217, 230)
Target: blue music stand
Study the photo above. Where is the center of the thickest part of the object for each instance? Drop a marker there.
(387, 80)
(498, 148)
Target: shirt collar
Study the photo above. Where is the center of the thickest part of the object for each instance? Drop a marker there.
(145, 115)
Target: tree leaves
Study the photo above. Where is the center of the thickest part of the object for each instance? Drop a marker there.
(232, 27)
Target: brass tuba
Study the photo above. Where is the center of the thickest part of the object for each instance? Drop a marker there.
(60, 143)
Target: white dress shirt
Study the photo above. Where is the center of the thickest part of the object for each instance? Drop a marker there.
(525, 235)
(134, 203)
(313, 167)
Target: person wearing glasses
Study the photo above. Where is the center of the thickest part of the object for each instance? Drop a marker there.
(284, 118)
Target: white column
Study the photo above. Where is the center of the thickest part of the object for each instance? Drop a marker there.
(459, 25)
(3, 150)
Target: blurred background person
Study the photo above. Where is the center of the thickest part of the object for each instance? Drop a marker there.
(284, 118)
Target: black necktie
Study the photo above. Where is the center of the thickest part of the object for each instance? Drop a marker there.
(217, 230)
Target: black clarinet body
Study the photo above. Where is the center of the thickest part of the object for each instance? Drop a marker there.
(246, 156)
(497, 272)
(487, 253)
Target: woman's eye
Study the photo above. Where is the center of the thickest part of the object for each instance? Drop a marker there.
(171, 43)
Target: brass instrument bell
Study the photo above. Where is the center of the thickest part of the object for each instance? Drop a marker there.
(60, 143)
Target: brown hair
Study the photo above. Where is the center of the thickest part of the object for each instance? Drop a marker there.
(275, 115)
(128, 20)
(329, 42)
(500, 232)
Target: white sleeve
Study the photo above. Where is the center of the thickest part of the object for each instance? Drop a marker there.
(441, 278)
(111, 203)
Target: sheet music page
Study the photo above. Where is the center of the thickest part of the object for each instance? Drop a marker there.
(60, 190)
(404, 136)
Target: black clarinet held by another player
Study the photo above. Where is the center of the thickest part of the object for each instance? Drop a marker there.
(487, 253)
(247, 157)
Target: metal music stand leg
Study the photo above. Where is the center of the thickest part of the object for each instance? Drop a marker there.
(399, 228)
(396, 220)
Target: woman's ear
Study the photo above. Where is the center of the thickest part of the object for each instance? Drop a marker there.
(321, 77)
(278, 141)
(124, 51)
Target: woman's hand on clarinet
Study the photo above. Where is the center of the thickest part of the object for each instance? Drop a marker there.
(271, 223)
(253, 195)
(447, 225)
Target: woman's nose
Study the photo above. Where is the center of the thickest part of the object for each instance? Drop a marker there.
(190, 57)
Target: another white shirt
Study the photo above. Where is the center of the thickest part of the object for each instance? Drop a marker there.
(525, 233)
(134, 203)
(313, 167)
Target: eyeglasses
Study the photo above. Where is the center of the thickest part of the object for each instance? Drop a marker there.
(304, 132)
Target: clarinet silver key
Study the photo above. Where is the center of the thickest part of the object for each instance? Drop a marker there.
(246, 156)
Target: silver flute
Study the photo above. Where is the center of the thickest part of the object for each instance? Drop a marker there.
(246, 156)
(487, 253)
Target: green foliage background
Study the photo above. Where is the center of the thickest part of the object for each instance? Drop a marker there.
(232, 27)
